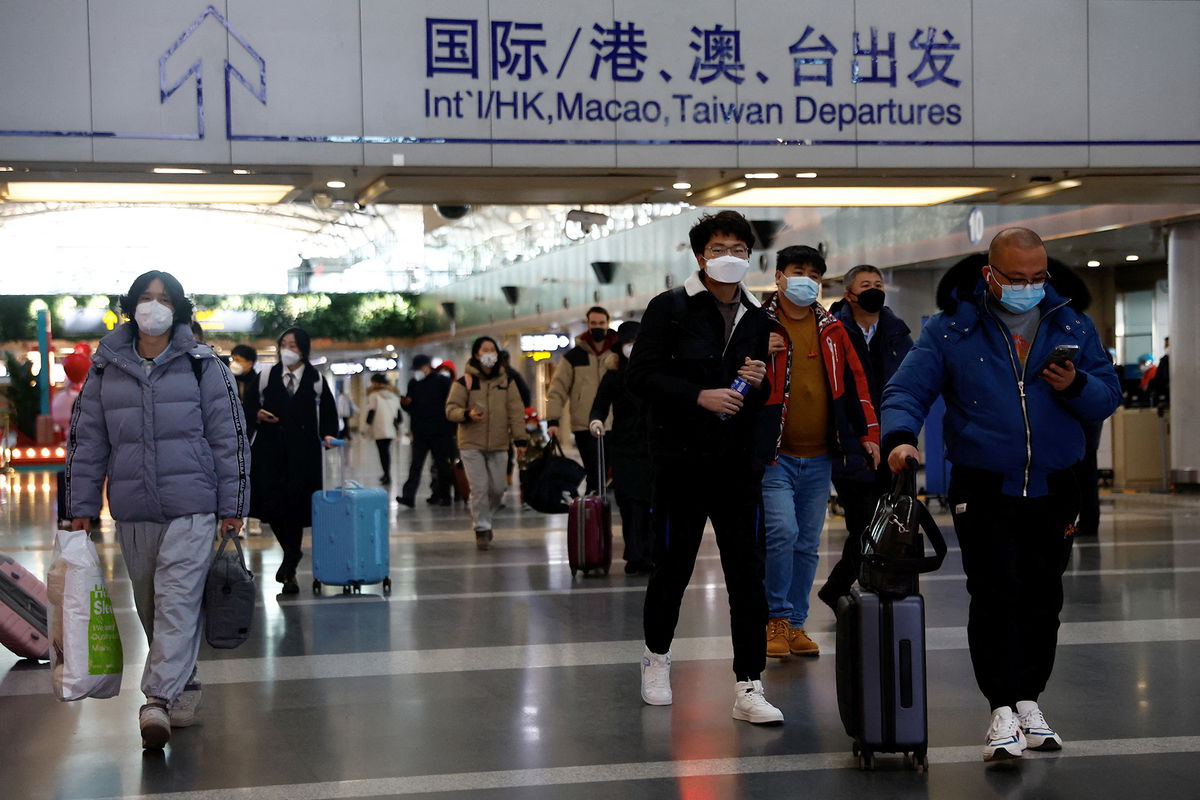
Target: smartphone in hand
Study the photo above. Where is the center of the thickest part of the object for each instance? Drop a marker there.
(1062, 354)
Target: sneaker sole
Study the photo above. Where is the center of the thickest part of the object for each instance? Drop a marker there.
(1000, 754)
(744, 717)
(155, 737)
(779, 655)
(650, 702)
(1049, 745)
(808, 653)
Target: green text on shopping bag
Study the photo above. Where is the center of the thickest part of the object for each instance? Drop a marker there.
(104, 642)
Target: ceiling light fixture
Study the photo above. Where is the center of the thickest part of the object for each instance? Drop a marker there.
(336, 184)
(806, 174)
(243, 172)
(1131, 257)
(6, 169)
(830, 196)
(1093, 263)
(97, 192)
(178, 171)
(681, 185)
(1039, 191)
(761, 176)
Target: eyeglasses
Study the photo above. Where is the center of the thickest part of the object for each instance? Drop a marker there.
(1045, 276)
(718, 250)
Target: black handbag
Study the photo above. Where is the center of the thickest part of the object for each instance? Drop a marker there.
(893, 549)
(229, 596)
(552, 481)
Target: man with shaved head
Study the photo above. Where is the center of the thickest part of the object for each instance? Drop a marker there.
(1014, 434)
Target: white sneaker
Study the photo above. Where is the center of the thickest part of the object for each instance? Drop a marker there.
(656, 678)
(1038, 733)
(155, 725)
(183, 710)
(751, 705)
(1004, 737)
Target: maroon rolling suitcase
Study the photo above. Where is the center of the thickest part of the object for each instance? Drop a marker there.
(22, 611)
(589, 528)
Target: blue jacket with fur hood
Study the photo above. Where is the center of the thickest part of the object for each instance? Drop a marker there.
(1000, 417)
(171, 444)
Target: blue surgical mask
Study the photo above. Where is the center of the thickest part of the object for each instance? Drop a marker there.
(802, 290)
(1019, 299)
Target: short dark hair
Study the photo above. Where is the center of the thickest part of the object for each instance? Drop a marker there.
(854, 272)
(303, 340)
(379, 377)
(800, 254)
(245, 351)
(183, 306)
(478, 343)
(197, 330)
(727, 222)
(598, 310)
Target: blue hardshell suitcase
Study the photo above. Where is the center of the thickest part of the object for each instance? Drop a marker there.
(350, 538)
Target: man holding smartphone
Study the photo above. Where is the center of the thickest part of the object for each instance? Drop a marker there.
(1014, 436)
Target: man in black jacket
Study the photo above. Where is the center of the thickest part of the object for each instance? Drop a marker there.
(425, 403)
(695, 341)
(882, 340)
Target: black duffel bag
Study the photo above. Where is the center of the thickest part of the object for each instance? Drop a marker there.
(552, 480)
(893, 549)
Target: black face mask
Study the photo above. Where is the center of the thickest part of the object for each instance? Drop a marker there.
(598, 334)
(871, 301)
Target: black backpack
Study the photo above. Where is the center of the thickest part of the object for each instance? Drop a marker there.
(893, 549)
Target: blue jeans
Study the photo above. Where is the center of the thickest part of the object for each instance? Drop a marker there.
(795, 492)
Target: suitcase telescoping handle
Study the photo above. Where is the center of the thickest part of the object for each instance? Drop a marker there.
(602, 478)
(340, 446)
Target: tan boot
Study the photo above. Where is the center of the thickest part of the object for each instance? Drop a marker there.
(777, 638)
(800, 645)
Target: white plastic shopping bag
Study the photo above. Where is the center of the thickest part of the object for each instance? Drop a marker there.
(86, 659)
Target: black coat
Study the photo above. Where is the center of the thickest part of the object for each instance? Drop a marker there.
(427, 411)
(626, 443)
(680, 351)
(880, 360)
(285, 467)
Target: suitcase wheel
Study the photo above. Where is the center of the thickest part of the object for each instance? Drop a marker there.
(866, 760)
(920, 762)
(316, 587)
(357, 587)
(346, 589)
(387, 585)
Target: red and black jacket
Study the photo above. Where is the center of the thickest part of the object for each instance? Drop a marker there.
(852, 415)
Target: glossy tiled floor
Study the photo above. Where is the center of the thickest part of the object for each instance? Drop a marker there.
(496, 675)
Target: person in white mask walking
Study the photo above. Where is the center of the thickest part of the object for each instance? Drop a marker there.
(699, 368)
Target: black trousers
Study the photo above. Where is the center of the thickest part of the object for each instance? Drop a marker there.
(1014, 552)
(442, 448)
(589, 450)
(858, 499)
(384, 446)
(684, 498)
(1089, 496)
(636, 528)
(290, 538)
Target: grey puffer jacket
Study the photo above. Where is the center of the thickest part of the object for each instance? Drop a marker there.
(171, 444)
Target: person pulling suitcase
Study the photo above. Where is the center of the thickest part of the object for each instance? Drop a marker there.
(589, 524)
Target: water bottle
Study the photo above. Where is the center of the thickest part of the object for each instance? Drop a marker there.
(740, 386)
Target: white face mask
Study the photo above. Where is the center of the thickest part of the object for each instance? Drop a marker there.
(488, 360)
(627, 349)
(290, 358)
(418, 376)
(153, 318)
(531, 428)
(237, 368)
(727, 269)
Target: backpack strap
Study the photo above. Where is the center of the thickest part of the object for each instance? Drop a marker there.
(197, 368)
(467, 384)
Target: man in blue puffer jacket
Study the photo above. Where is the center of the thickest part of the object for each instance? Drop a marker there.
(1014, 435)
(159, 416)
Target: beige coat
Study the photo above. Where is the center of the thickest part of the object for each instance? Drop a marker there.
(576, 379)
(503, 415)
(385, 402)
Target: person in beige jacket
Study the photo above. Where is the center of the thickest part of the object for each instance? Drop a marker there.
(488, 408)
(576, 380)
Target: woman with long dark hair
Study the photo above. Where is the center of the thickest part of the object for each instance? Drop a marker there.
(296, 416)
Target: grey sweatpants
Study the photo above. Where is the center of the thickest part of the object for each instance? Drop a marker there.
(168, 563)
(487, 473)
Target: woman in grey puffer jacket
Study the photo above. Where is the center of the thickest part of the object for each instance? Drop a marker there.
(159, 416)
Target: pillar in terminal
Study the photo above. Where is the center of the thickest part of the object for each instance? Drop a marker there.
(1183, 278)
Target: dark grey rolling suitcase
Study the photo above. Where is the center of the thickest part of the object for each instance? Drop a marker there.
(881, 675)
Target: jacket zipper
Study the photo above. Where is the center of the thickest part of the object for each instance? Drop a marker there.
(1020, 376)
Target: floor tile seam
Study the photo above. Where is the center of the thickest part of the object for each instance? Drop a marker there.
(650, 770)
(395, 663)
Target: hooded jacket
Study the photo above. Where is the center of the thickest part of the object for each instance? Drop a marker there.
(172, 443)
(503, 415)
(577, 378)
(852, 417)
(383, 409)
(880, 360)
(681, 350)
(1000, 416)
